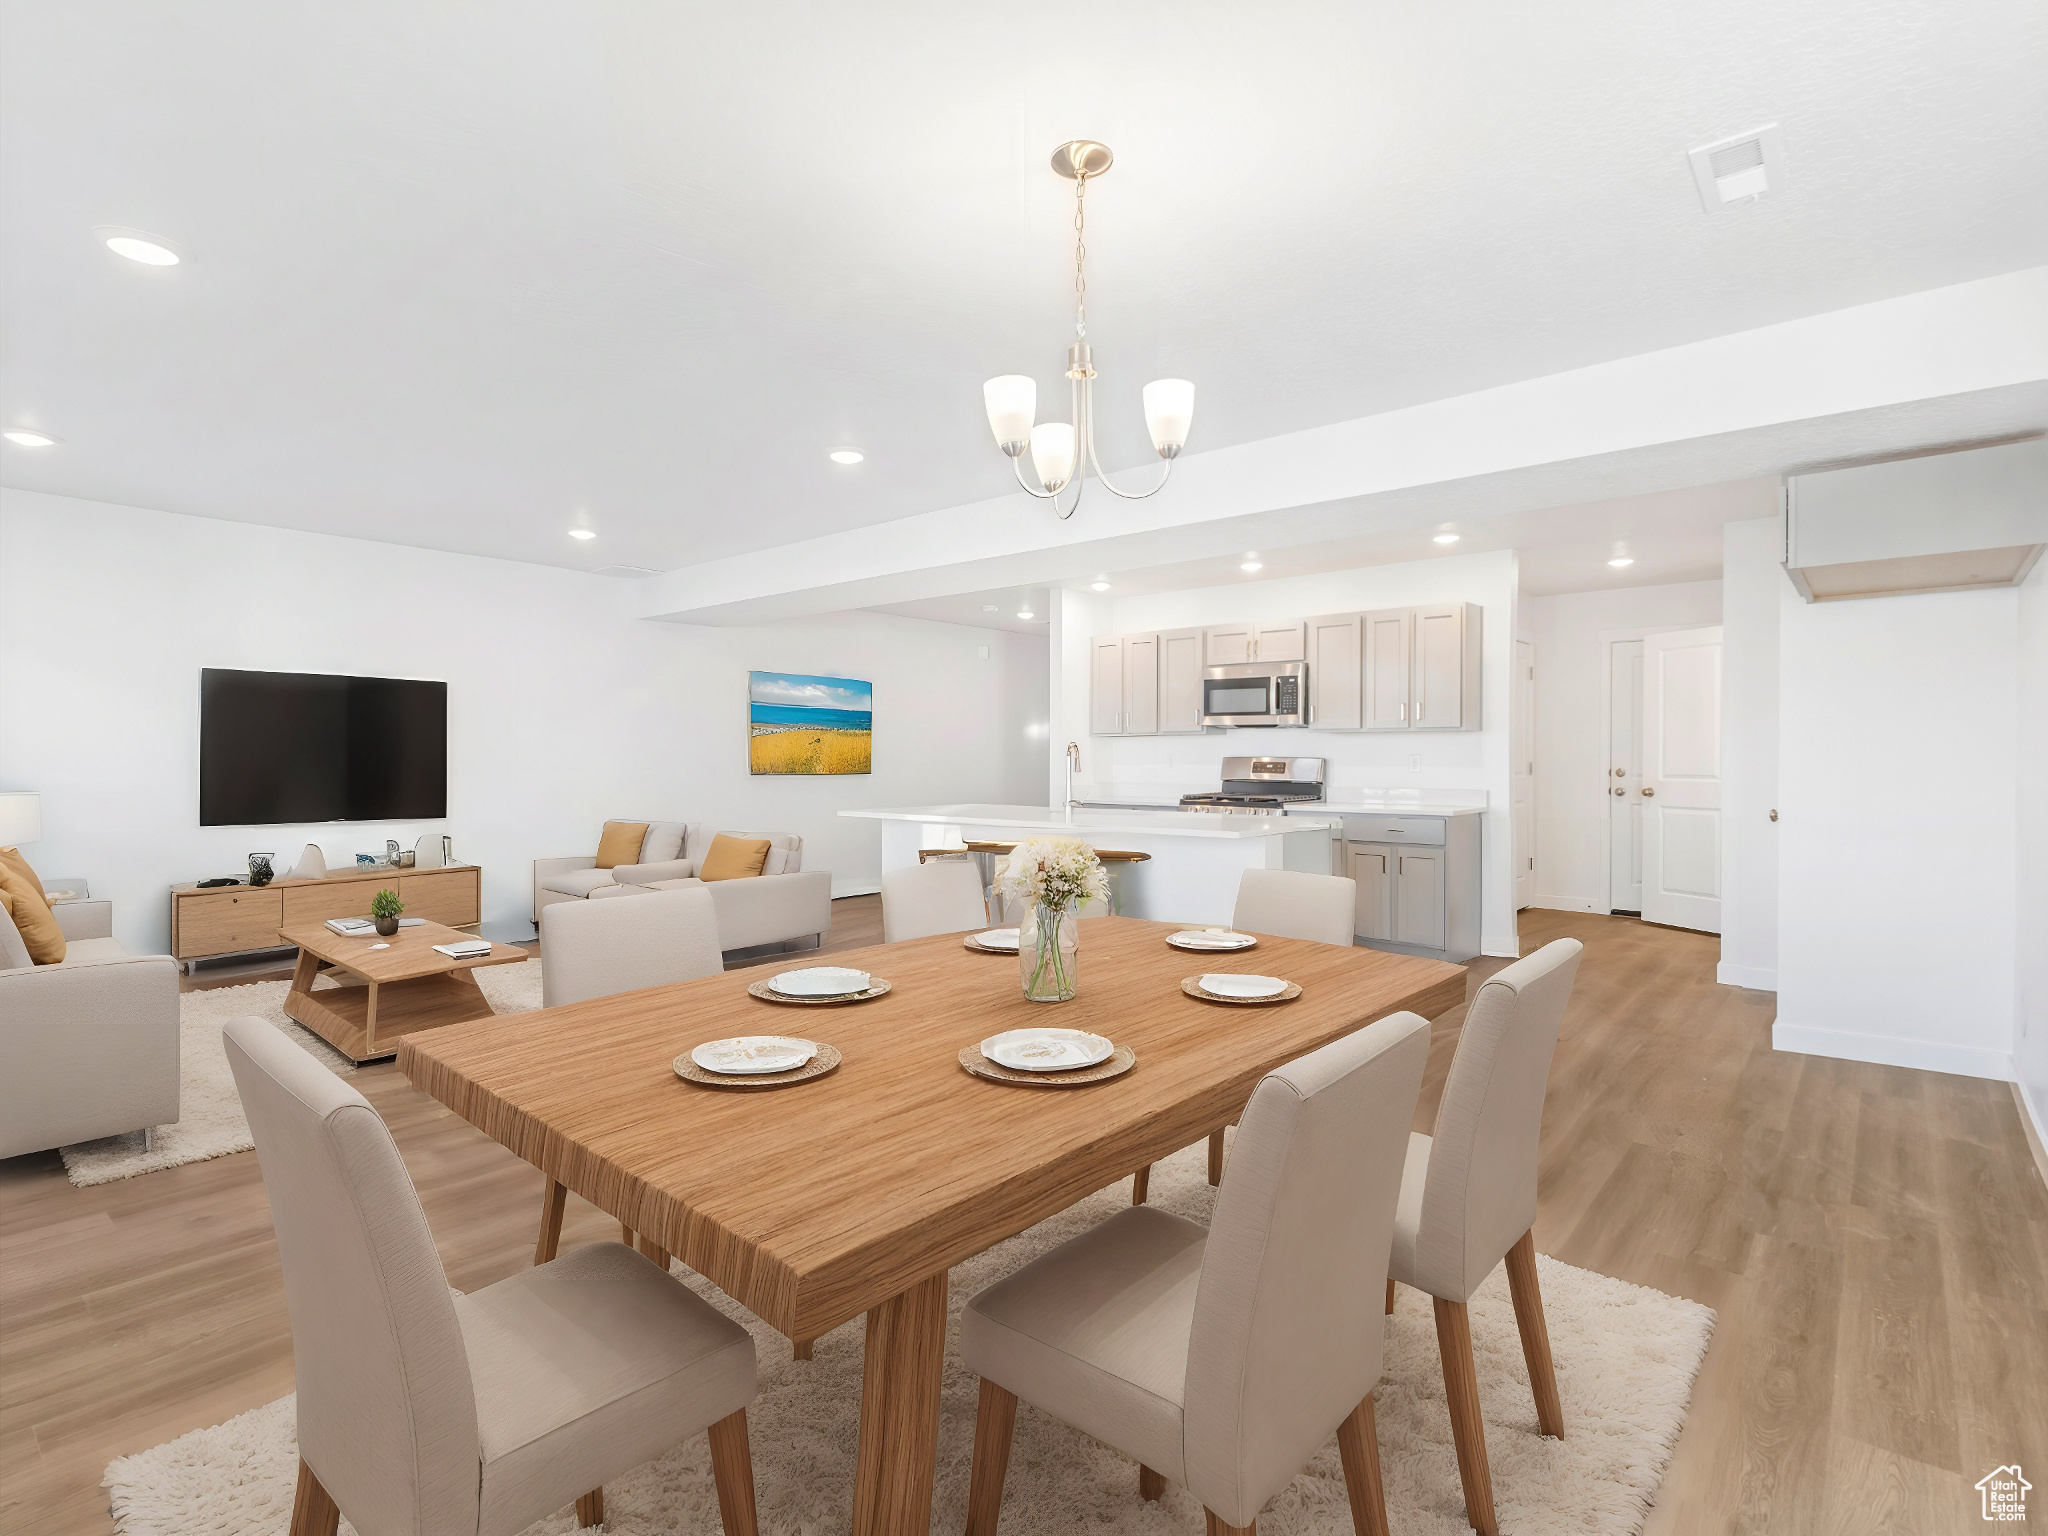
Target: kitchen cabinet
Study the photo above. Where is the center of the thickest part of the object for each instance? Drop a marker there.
(1387, 637)
(1444, 685)
(1417, 880)
(1180, 682)
(1225, 645)
(1141, 685)
(1336, 672)
(1280, 642)
(1106, 687)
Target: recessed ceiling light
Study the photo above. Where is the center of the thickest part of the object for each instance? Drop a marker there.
(1098, 586)
(1251, 565)
(1620, 560)
(847, 456)
(1026, 613)
(28, 437)
(988, 607)
(139, 245)
(1445, 538)
(582, 533)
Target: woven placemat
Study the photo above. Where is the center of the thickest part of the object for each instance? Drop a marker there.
(767, 994)
(970, 942)
(826, 1061)
(1192, 985)
(1120, 1061)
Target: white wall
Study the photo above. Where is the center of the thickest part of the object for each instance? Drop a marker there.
(1162, 767)
(1752, 592)
(1898, 783)
(563, 708)
(2030, 1029)
(1572, 759)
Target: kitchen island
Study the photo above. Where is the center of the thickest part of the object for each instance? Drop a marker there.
(1195, 858)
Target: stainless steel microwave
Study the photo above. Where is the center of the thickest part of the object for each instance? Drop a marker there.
(1256, 693)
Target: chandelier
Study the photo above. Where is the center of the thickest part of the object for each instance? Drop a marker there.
(1060, 449)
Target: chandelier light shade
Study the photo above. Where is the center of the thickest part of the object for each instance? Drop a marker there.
(1012, 402)
(1062, 451)
(1052, 455)
(1169, 406)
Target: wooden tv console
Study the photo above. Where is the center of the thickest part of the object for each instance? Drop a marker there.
(231, 919)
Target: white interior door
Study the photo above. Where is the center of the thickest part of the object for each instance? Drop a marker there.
(1624, 776)
(1680, 790)
(1522, 780)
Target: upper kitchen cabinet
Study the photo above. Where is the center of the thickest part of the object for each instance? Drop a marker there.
(1444, 690)
(1227, 645)
(1180, 682)
(1146, 685)
(1388, 642)
(1336, 672)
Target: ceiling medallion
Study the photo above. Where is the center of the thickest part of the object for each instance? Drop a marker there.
(1058, 448)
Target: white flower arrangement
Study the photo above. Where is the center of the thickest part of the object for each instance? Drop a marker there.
(1057, 872)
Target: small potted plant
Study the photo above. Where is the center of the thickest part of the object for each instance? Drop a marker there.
(385, 907)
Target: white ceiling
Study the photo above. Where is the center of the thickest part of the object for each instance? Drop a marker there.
(463, 275)
(1670, 536)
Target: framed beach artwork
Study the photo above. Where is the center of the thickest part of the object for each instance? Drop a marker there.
(802, 724)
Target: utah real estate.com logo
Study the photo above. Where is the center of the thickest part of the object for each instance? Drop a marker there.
(2005, 1495)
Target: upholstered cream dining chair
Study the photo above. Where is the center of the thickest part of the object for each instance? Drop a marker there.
(1468, 1195)
(943, 896)
(595, 948)
(1223, 1358)
(1291, 904)
(422, 1412)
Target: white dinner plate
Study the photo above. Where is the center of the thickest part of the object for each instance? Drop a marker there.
(753, 1055)
(1225, 985)
(997, 938)
(1210, 938)
(819, 981)
(1046, 1050)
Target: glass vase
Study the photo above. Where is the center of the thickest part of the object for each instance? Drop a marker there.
(1048, 949)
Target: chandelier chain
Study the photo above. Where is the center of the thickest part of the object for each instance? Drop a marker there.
(1080, 257)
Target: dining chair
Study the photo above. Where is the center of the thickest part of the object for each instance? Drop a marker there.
(1288, 904)
(943, 896)
(1468, 1195)
(422, 1411)
(595, 948)
(1222, 1358)
(1291, 904)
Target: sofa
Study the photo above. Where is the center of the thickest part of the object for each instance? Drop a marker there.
(91, 1042)
(784, 905)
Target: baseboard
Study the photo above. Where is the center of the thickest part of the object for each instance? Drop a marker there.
(854, 888)
(1890, 1051)
(2037, 1133)
(1755, 977)
(1565, 904)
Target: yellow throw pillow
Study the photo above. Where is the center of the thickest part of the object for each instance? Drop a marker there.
(620, 843)
(12, 857)
(734, 858)
(31, 914)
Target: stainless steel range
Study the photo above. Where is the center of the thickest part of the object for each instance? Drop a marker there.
(1263, 786)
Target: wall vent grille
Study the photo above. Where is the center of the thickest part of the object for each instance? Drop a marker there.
(1738, 169)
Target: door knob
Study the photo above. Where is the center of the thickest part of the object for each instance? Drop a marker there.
(1648, 791)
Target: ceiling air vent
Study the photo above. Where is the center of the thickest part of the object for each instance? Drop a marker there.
(1739, 169)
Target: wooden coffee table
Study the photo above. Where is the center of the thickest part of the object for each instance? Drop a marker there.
(405, 987)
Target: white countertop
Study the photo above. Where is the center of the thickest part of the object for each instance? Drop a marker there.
(1400, 808)
(1040, 818)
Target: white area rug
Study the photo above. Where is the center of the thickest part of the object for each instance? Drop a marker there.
(1626, 1359)
(210, 1122)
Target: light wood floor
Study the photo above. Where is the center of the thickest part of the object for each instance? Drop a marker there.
(1874, 1239)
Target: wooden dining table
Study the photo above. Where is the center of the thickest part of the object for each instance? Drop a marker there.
(857, 1191)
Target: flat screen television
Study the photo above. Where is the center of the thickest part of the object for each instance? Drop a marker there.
(285, 747)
